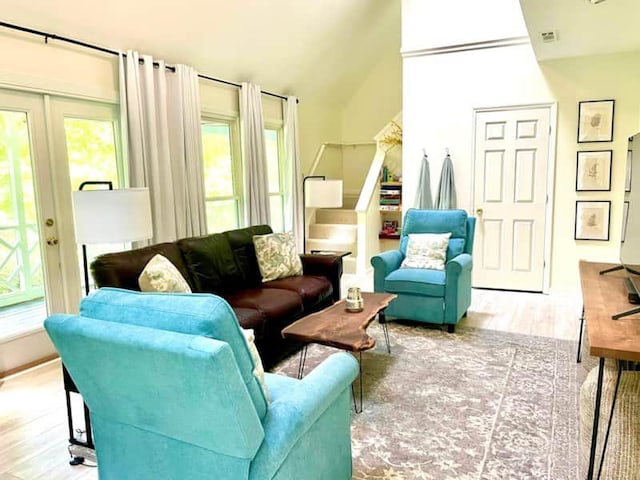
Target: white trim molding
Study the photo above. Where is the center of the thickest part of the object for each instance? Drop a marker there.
(464, 47)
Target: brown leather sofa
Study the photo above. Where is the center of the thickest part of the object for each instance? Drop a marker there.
(225, 264)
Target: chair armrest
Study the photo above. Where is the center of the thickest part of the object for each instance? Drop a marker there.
(457, 264)
(383, 264)
(329, 266)
(289, 418)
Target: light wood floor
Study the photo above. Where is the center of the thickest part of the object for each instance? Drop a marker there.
(33, 436)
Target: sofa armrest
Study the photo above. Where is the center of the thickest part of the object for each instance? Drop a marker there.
(289, 418)
(383, 264)
(329, 266)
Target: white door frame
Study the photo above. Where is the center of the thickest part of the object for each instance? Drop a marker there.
(551, 169)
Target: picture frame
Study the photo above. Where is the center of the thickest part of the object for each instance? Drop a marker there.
(593, 171)
(595, 121)
(627, 177)
(592, 220)
(625, 219)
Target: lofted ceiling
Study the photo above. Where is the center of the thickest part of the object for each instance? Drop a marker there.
(304, 48)
(583, 28)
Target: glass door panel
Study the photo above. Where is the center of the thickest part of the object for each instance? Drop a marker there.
(86, 149)
(31, 282)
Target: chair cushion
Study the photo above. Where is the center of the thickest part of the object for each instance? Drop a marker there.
(416, 281)
(313, 289)
(277, 256)
(273, 303)
(160, 275)
(426, 250)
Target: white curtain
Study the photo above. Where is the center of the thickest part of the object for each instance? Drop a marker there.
(254, 155)
(161, 126)
(293, 210)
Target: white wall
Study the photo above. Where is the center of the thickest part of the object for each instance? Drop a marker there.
(428, 24)
(441, 91)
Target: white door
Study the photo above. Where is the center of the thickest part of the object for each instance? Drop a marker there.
(29, 228)
(510, 194)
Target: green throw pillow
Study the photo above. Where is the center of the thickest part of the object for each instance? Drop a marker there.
(277, 256)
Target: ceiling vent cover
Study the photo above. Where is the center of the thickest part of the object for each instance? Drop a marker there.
(549, 37)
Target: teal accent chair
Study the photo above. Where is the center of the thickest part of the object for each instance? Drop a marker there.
(168, 381)
(430, 296)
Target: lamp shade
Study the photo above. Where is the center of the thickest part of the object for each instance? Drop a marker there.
(112, 216)
(323, 194)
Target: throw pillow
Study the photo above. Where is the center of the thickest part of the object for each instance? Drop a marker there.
(277, 256)
(160, 275)
(258, 370)
(426, 250)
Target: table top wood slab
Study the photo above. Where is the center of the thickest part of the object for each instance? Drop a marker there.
(336, 327)
(603, 296)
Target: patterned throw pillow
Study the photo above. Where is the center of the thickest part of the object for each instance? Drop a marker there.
(277, 256)
(160, 275)
(426, 250)
(258, 370)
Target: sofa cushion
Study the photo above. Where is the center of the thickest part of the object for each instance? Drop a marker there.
(416, 281)
(241, 243)
(273, 303)
(250, 318)
(312, 288)
(160, 275)
(211, 264)
(194, 314)
(122, 269)
(277, 256)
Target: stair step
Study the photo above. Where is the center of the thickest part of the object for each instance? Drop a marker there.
(328, 244)
(336, 215)
(335, 231)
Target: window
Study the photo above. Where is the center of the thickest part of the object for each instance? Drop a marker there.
(221, 175)
(275, 172)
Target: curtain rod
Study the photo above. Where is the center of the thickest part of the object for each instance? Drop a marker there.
(90, 46)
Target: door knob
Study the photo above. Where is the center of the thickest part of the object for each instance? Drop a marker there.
(479, 211)
(52, 241)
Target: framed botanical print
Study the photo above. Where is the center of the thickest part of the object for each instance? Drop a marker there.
(593, 171)
(595, 121)
(627, 177)
(592, 220)
(625, 219)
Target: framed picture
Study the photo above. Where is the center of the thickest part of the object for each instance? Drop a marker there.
(593, 171)
(595, 121)
(625, 218)
(627, 177)
(592, 220)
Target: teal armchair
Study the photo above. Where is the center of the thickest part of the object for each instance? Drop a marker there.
(430, 296)
(169, 382)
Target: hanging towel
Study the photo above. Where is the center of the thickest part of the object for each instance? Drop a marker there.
(446, 199)
(423, 196)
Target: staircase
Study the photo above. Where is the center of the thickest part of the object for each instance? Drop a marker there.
(335, 229)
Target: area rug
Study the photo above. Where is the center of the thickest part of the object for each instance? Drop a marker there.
(476, 404)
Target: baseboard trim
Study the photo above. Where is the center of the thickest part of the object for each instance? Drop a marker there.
(27, 366)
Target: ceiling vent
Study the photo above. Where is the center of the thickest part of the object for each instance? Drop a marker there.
(549, 37)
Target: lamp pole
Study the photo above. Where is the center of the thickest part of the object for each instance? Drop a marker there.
(304, 209)
(84, 246)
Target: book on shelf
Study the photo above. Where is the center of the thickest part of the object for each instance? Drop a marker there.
(385, 191)
(389, 201)
(390, 208)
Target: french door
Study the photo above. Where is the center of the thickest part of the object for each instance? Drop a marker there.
(48, 146)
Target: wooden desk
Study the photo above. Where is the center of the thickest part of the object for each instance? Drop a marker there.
(602, 297)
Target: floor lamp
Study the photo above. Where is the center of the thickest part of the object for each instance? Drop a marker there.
(104, 216)
(318, 192)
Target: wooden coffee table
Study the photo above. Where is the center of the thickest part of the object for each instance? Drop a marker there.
(336, 327)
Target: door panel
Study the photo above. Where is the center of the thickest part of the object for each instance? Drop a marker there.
(30, 266)
(510, 191)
